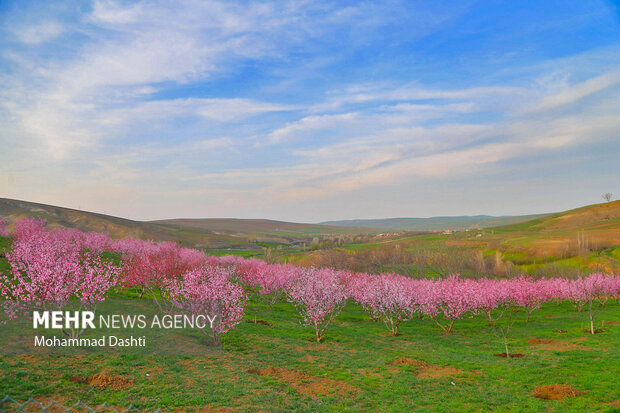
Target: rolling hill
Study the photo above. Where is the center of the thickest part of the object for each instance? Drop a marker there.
(589, 228)
(580, 240)
(457, 223)
(200, 233)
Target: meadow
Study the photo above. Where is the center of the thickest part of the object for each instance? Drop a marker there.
(358, 367)
(274, 354)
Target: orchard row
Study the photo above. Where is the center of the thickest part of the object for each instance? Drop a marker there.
(53, 268)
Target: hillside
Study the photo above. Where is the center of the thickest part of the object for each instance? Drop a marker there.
(583, 218)
(579, 240)
(201, 233)
(589, 228)
(435, 223)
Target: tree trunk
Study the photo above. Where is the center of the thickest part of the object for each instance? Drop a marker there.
(591, 318)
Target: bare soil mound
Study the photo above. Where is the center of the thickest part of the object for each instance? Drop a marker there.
(512, 355)
(427, 371)
(103, 380)
(306, 384)
(556, 392)
(611, 323)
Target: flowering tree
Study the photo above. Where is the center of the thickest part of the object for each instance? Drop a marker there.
(49, 269)
(492, 298)
(27, 227)
(528, 294)
(454, 297)
(386, 297)
(147, 265)
(319, 296)
(208, 291)
(96, 242)
(590, 289)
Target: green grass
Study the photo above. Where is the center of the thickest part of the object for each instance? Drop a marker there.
(356, 352)
(240, 253)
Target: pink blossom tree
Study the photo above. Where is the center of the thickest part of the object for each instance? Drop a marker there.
(319, 295)
(208, 291)
(147, 265)
(528, 294)
(27, 227)
(386, 297)
(590, 289)
(96, 242)
(49, 270)
(454, 297)
(492, 298)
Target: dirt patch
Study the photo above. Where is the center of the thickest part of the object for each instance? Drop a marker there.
(615, 403)
(549, 316)
(311, 386)
(406, 361)
(427, 371)
(512, 355)
(370, 373)
(556, 345)
(612, 323)
(307, 358)
(263, 322)
(596, 330)
(556, 392)
(560, 331)
(103, 380)
(540, 341)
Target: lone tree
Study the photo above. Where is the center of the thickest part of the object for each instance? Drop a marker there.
(607, 196)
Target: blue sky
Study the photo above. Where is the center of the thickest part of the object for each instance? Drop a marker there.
(310, 111)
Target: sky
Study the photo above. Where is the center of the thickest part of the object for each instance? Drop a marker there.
(310, 110)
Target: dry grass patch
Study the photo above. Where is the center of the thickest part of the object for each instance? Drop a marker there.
(556, 392)
(105, 381)
(557, 345)
(428, 371)
(306, 384)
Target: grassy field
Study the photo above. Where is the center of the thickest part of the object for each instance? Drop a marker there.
(278, 367)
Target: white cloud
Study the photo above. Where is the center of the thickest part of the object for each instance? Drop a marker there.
(39, 33)
(573, 93)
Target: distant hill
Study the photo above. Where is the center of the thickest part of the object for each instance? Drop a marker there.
(200, 233)
(435, 223)
(260, 226)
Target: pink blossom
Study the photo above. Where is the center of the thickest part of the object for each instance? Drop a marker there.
(386, 297)
(208, 291)
(319, 295)
(49, 268)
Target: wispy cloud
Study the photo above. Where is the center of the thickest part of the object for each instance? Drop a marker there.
(285, 108)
